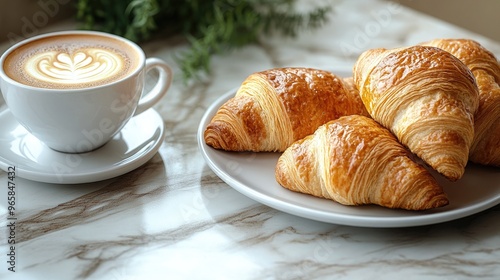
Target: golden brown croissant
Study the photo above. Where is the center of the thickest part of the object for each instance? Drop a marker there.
(352, 93)
(485, 148)
(274, 108)
(353, 160)
(426, 97)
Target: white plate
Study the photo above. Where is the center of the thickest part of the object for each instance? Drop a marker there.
(252, 174)
(133, 146)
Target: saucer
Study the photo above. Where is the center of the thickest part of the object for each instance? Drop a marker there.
(133, 146)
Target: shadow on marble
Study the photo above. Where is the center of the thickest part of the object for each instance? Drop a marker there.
(73, 217)
(258, 230)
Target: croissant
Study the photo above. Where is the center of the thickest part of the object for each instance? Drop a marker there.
(485, 147)
(353, 160)
(352, 93)
(426, 97)
(274, 108)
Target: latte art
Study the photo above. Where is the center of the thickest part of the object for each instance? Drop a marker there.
(72, 61)
(84, 66)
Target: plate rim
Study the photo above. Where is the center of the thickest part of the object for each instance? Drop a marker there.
(323, 216)
(89, 177)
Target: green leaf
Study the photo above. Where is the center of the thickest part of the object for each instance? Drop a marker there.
(210, 27)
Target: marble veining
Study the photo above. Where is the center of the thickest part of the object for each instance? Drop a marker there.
(173, 218)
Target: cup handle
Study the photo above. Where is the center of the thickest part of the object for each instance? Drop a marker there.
(149, 99)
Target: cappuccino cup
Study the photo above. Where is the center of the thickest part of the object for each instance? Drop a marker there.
(74, 90)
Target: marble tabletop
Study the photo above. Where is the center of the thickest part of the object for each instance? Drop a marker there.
(173, 218)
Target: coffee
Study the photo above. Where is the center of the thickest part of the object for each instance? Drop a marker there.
(71, 61)
(75, 90)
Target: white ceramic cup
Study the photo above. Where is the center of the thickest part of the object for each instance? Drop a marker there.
(83, 119)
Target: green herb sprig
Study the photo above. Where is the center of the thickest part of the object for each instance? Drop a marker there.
(211, 27)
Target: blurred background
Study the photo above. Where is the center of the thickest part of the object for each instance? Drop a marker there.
(22, 16)
(27, 16)
(478, 16)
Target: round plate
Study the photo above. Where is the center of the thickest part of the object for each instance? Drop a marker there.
(133, 146)
(252, 174)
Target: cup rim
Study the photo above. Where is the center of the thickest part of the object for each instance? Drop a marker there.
(140, 64)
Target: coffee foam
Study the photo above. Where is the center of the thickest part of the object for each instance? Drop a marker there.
(70, 61)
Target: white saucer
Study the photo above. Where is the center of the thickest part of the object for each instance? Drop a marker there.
(133, 146)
